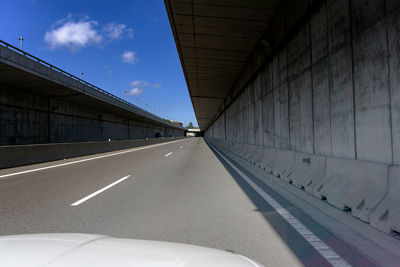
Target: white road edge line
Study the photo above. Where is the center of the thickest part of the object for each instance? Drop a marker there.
(168, 154)
(83, 160)
(99, 191)
(331, 256)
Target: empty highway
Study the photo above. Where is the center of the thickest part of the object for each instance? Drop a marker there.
(180, 191)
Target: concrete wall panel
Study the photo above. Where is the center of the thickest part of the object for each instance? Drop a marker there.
(284, 116)
(392, 5)
(257, 88)
(294, 115)
(275, 72)
(306, 113)
(268, 120)
(277, 118)
(372, 96)
(251, 128)
(366, 13)
(394, 68)
(303, 49)
(342, 113)
(282, 66)
(266, 80)
(319, 35)
(258, 123)
(338, 23)
(321, 103)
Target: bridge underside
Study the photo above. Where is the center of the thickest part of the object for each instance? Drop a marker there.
(217, 39)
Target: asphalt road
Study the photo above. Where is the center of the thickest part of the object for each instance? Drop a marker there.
(180, 191)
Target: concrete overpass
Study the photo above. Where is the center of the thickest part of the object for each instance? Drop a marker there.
(195, 132)
(41, 103)
(307, 91)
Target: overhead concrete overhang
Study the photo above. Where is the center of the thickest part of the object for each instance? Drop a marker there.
(223, 43)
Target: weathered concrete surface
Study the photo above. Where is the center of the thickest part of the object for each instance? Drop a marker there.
(393, 21)
(333, 90)
(372, 94)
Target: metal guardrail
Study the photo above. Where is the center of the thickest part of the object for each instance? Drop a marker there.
(40, 61)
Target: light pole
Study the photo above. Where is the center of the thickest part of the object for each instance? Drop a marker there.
(21, 39)
(81, 75)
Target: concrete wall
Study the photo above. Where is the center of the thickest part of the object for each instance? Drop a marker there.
(27, 118)
(333, 90)
(12, 156)
(329, 107)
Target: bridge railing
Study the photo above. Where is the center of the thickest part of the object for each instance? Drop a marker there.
(40, 61)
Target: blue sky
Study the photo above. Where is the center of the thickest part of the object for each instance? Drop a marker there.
(124, 47)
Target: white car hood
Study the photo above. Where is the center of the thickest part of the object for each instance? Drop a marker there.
(97, 250)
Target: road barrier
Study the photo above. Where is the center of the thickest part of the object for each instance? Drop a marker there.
(268, 159)
(237, 148)
(283, 162)
(12, 156)
(257, 155)
(242, 150)
(352, 185)
(366, 190)
(248, 150)
(227, 145)
(308, 170)
(386, 216)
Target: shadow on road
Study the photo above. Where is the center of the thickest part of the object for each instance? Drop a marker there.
(299, 246)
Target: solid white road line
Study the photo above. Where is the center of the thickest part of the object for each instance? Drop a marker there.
(168, 154)
(311, 238)
(99, 191)
(88, 159)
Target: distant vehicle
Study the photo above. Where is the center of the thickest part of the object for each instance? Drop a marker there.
(158, 135)
(64, 250)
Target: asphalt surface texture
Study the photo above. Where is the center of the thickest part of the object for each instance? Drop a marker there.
(179, 191)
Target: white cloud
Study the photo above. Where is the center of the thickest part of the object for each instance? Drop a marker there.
(157, 85)
(78, 33)
(134, 91)
(139, 83)
(73, 34)
(117, 31)
(137, 87)
(129, 57)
